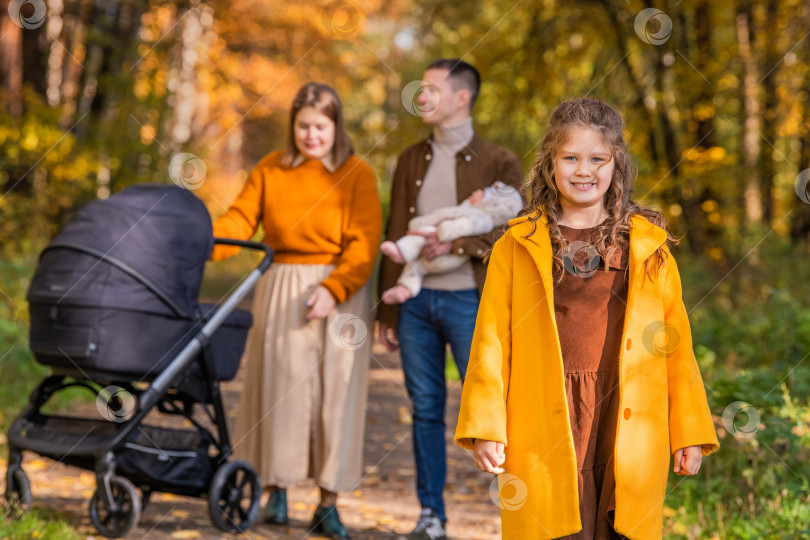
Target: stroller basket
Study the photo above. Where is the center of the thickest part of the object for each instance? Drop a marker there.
(165, 459)
(168, 458)
(63, 438)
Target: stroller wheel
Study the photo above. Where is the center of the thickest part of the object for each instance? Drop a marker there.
(113, 523)
(18, 490)
(233, 499)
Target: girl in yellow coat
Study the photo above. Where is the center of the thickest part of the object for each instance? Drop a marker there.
(582, 379)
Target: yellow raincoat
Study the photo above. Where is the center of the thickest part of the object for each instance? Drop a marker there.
(514, 390)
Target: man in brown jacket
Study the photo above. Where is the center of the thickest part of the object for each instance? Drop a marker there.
(441, 171)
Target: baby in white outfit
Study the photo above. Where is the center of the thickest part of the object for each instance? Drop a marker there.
(480, 213)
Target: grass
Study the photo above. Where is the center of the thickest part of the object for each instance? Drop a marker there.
(36, 524)
(450, 370)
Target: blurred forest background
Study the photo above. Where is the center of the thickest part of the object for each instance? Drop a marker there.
(96, 95)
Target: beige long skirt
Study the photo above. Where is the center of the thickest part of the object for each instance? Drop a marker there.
(303, 406)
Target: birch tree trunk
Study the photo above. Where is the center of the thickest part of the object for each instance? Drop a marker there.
(752, 197)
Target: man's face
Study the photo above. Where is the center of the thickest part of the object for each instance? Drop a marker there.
(437, 101)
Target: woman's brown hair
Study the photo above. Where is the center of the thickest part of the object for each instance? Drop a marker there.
(325, 100)
(614, 232)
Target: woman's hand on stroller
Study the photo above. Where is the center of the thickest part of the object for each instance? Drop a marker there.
(320, 303)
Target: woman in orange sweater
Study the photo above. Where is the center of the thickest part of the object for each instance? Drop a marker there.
(302, 410)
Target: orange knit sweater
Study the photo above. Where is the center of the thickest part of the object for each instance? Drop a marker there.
(310, 216)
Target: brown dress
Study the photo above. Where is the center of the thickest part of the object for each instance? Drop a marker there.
(589, 305)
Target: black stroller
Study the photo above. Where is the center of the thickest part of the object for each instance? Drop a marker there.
(114, 309)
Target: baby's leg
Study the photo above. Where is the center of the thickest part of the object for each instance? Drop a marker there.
(408, 285)
(396, 295)
(407, 248)
(391, 251)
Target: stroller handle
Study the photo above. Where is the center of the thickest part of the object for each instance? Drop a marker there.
(151, 395)
(257, 246)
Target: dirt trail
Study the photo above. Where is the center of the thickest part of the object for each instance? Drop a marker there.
(383, 504)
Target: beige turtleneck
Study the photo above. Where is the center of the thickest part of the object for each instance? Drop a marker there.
(439, 190)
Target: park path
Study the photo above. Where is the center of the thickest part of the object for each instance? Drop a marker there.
(383, 504)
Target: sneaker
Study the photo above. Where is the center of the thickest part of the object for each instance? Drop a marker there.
(276, 510)
(326, 522)
(429, 527)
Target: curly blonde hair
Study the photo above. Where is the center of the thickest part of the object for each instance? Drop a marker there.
(614, 232)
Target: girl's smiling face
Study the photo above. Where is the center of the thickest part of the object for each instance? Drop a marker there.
(583, 169)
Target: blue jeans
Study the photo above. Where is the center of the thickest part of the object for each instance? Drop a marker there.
(427, 323)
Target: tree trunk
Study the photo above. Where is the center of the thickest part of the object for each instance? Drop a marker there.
(684, 189)
(73, 32)
(11, 72)
(706, 134)
(645, 98)
(752, 198)
(767, 169)
(56, 54)
(800, 219)
(34, 53)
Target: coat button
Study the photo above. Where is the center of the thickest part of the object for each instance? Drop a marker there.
(629, 343)
(460, 251)
(427, 157)
(411, 209)
(467, 158)
(627, 414)
(479, 252)
(418, 183)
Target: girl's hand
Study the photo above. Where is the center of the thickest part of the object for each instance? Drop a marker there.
(688, 460)
(489, 456)
(320, 303)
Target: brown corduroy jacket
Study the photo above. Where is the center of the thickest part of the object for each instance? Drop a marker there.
(478, 165)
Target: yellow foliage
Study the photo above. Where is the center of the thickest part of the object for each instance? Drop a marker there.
(709, 206)
(702, 113)
(30, 141)
(185, 534)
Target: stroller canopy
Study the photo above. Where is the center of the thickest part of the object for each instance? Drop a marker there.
(159, 234)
